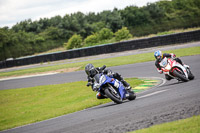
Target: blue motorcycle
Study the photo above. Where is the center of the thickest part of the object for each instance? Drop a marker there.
(112, 88)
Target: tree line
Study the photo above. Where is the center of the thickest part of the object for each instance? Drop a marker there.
(28, 37)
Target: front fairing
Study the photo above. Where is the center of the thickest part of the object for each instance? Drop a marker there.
(104, 79)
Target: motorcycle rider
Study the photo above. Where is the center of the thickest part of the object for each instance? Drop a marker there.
(91, 71)
(159, 56)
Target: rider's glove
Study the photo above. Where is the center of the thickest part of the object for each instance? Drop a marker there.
(173, 56)
(89, 83)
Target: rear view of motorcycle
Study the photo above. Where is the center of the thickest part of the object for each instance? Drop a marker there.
(176, 70)
(112, 88)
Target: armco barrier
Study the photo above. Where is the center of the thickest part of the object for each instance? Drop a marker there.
(106, 48)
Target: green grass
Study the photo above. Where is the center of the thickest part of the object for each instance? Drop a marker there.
(116, 61)
(165, 33)
(28, 105)
(189, 125)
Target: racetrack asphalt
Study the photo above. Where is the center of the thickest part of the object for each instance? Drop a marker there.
(170, 101)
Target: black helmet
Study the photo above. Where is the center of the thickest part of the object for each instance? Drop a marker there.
(90, 70)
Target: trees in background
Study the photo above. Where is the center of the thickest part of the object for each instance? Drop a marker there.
(28, 37)
(122, 34)
(74, 42)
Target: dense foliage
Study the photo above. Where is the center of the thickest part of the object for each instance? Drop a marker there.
(91, 40)
(29, 37)
(122, 34)
(74, 42)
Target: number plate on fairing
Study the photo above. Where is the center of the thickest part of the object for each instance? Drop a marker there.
(163, 63)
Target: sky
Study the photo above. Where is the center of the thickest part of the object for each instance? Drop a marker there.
(13, 11)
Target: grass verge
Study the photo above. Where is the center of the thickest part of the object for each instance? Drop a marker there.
(28, 105)
(189, 125)
(116, 61)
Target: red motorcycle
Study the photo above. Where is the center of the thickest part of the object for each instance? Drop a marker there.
(176, 70)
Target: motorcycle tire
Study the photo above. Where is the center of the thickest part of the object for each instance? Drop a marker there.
(190, 75)
(180, 76)
(112, 96)
(132, 96)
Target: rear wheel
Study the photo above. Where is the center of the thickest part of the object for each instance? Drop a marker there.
(190, 75)
(113, 95)
(132, 95)
(180, 75)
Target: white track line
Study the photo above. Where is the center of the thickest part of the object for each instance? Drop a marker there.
(154, 93)
(28, 76)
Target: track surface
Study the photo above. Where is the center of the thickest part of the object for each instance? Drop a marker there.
(171, 101)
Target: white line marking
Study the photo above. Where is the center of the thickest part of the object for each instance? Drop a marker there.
(28, 76)
(157, 92)
(163, 81)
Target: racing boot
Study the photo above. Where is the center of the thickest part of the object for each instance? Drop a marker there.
(127, 86)
(119, 77)
(184, 65)
(130, 95)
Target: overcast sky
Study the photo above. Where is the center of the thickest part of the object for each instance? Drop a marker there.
(13, 11)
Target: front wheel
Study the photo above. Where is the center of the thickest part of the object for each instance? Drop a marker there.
(180, 75)
(113, 95)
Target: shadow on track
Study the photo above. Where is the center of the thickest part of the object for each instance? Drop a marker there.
(108, 105)
(176, 83)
